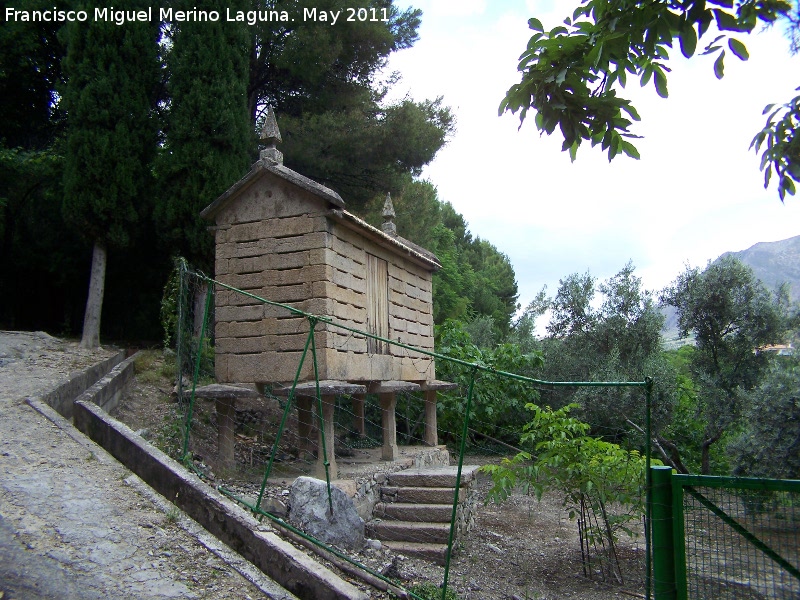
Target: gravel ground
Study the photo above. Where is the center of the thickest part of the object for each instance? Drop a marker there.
(74, 523)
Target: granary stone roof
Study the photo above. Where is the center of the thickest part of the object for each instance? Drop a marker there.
(418, 254)
(393, 242)
(271, 161)
(265, 165)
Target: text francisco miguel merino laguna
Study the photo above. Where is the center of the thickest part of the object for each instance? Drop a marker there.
(251, 17)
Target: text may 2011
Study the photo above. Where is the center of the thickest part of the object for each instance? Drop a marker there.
(251, 17)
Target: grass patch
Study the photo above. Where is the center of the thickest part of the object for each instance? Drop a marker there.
(167, 369)
(152, 368)
(169, 437)
(173, 514)
(145, 360)
(150, 377)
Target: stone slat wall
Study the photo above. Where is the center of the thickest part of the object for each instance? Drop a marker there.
(271, 243)
(348, 353)
(278, 244)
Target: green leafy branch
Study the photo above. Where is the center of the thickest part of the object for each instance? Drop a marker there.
(499, 401)
(781, 146)
(570, 74)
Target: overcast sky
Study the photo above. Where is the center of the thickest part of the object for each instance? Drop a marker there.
(696, 192)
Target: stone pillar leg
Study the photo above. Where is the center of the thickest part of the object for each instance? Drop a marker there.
(304, 425)
(358, 415)
(226, 429)
(328, 405)
(388, 404)
(431, 432)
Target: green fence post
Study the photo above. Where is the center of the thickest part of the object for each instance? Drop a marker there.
(679, 538)
(209, 298)
(661, 524)
(464, 434)
(648, 442)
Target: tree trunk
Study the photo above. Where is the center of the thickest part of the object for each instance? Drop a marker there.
(94, 301)
(705, 465)
(673, 458)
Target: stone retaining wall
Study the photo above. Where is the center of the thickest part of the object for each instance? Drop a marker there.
(108, 391)
(221, 517)
(62, 397)
(235, 527)
(467, 509)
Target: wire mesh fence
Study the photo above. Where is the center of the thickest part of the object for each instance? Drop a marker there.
(252, 442)
(741, 538)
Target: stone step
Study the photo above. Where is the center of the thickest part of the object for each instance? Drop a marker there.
(407, 531)
(420, 513)
(436, 553)
(421, 495)
(437, 477)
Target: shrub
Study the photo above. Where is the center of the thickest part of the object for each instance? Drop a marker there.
(602, 484)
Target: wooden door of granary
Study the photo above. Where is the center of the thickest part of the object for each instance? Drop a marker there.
(377, 304)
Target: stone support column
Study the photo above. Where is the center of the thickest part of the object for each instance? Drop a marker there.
(306, 394)
(430, 388)
(359, 425)
(226, 430)
(305, 426)
(328, 406)
(389, 425)
(431, 431)
(387, 391)
(225, 397)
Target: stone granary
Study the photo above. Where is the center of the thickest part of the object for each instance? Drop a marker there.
(290, 240)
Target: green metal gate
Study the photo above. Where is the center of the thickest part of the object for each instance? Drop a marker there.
(724, 537)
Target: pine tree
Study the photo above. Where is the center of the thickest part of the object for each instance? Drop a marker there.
(112, 78)
(210, 140)
(328, 90)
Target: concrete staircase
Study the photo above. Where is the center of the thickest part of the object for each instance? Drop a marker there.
(413, 516)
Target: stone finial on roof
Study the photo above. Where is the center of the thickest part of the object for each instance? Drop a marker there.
(388, 215)
(271, 136)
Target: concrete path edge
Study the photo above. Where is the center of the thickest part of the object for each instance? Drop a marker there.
(221, 517)
(269, 587)
(62, 397)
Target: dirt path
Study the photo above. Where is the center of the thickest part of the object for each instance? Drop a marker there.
(74, 523)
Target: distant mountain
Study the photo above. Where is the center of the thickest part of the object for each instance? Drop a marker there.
(774, 263)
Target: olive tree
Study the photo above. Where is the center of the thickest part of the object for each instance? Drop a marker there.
(769, 444)
(607, 331)
(732, 317)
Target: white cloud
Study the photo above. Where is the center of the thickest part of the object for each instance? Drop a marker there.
(696, 193)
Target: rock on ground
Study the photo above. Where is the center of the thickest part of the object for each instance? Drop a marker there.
(310, 511)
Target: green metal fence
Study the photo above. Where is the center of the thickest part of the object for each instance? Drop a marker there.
(725, 537)
(194, 324)
(712, 537)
